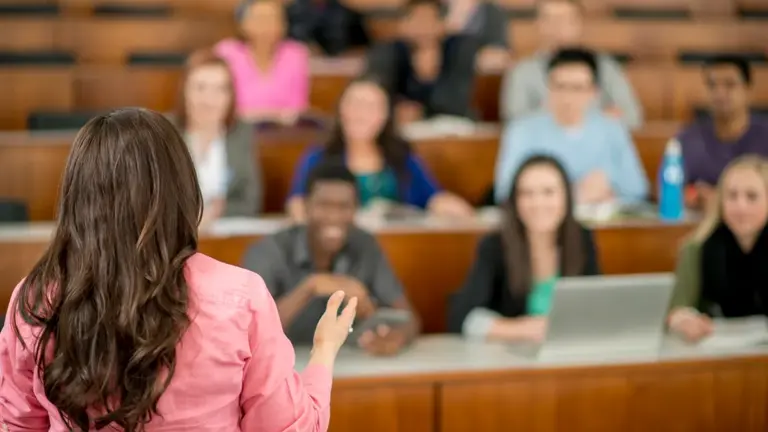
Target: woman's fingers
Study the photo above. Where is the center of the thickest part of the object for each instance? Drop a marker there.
(334, 302)
(347, 316)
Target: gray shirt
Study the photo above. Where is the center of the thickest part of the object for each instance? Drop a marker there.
(524, 89)
(283, 260)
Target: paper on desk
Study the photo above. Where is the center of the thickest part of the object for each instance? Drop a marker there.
(738, 333)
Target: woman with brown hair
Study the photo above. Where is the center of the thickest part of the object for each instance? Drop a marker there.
(123, 324)
(222, 148)
(723, 269)
(508, 292)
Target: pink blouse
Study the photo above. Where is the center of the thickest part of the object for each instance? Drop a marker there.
(234, 367)
(284, 87)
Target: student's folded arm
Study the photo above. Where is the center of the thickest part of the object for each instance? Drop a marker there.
(628, 178)
(19, 408)
(275, 397)
(469, 311)
(621, 93)
(514, 150)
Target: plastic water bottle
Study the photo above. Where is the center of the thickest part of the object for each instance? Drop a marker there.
(672, 183)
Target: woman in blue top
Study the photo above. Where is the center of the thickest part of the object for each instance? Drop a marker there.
(508, 292)
(384, 163)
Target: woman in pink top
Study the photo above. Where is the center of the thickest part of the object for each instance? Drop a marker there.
(122, 323)
(271, 73)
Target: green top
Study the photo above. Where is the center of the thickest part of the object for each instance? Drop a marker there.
(382, 185)
(687, 292)
(540, 299)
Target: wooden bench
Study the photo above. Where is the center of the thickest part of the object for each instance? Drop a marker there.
(431, 260)
(110, 40)
(666, 92)
(31, 165)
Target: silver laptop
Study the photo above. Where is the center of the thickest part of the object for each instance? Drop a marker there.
(607, 316)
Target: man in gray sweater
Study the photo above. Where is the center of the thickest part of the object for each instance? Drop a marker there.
(524, 89)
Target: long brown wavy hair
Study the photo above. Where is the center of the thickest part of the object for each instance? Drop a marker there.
(570, 235)
(108, 296)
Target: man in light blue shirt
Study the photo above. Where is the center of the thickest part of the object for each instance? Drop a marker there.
(595, 149)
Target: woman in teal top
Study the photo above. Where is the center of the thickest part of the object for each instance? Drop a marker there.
(508, 292)
(383, 162)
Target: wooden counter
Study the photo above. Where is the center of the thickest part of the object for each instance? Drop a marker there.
(431, 257)
(449, 385)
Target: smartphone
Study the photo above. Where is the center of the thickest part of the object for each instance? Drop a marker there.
(383, 316)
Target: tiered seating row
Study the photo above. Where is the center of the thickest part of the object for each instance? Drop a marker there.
(682, 8)
(665, 91)
(111, 40)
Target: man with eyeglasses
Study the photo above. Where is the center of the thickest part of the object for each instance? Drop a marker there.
(595, 149)
(560, 24)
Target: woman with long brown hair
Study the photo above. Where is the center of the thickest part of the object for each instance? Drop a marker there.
(122, 323)
(508, 292)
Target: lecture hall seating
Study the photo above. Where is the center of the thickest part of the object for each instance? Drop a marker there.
(92, 88)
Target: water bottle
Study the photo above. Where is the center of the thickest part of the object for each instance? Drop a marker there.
(672, 183)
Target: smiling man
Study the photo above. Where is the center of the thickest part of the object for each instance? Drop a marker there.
(305, 264)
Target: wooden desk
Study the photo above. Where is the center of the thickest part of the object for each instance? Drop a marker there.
(448, 385)
(31, 164)
(431, 257)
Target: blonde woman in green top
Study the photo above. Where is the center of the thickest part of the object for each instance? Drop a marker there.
(723, 269)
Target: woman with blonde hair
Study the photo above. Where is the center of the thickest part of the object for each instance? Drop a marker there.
(723, 268)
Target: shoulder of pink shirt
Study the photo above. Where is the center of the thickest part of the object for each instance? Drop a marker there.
(229, 47)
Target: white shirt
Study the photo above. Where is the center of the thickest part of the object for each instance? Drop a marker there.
(211, 168)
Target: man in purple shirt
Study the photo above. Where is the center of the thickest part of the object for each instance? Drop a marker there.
(731, 130)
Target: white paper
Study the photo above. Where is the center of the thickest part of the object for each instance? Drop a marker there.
(738, 333)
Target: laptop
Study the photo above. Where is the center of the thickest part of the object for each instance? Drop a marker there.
(607, 316)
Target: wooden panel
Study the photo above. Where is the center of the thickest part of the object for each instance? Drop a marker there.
(690, 91)
(24, 34)
(655, 39)
(113, 87)
(405, 408)
(25, 90)
(752, 5)
(685, 398)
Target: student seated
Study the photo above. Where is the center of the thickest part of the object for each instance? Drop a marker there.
(383, 163)
(271, 73)
(524, 88)
(305, 264)
(723, 269)
(221, 147)
(710, 143)
(509, 289)
(326, 26)
(596, 150)
(427, 72)
(487, 23)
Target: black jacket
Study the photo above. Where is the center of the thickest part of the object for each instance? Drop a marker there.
(487, 283)
(450, 94)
